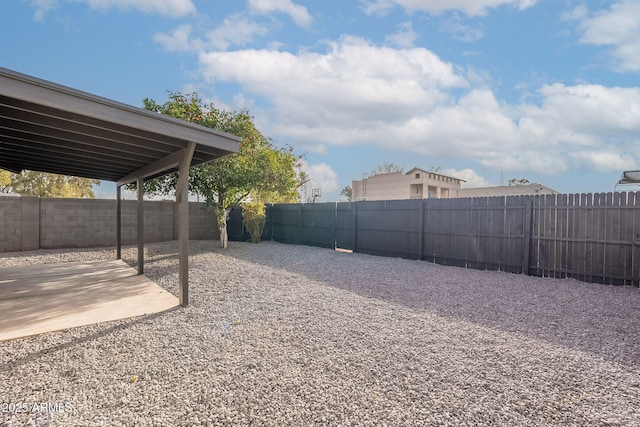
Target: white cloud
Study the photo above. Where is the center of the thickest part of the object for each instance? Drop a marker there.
(377, 7)
(42, 7)
(405, 37)
(355, 93)
(619, 28)
(236, 30)
(586, 111)
(469, 7)
(577, 13)
(471, 178)
(605, 160)
(589, 126)
(321, 176)
(352, 76)
(179, 40)
(409, 100)
(171, 8)
(299, 14)
(460, 31)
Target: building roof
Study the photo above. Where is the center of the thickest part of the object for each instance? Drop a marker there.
(412, 170)
(506, 190)
(52, 128)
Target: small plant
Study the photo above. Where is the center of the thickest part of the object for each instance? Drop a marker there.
(253, 218)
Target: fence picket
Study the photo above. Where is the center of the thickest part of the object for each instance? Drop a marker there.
(561, 235)
(635, 239)
(526, 232)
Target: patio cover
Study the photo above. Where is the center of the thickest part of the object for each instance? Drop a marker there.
(52, 128)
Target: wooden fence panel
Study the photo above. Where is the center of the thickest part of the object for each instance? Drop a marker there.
(578, 260)
(625, 233)
(496, 238)
(593, 219)
(597, 253)
(628, 236)
(446, 231)
(568, 235)
(235, 229)
(317, 225)
(534, 246)
(475, 218)
(615, 251)
(285, 223)
(388, 228)
(514, 232)
(561, 236)
(268, 226)
(591, 237)
(544, 233)
(344, 225)
(550, 230)
(635, 231)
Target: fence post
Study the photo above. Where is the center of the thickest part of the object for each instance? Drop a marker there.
(269, 213)
(334, 213)
(421, 230)
(299, 210)
(526, 240)
(354, 237)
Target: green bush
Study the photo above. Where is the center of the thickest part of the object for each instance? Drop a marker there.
(253, 218)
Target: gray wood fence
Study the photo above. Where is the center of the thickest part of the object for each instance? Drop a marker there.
(590, 237)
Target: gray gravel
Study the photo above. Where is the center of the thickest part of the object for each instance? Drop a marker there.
(293, 335)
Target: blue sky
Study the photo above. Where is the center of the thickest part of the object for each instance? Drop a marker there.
(547, 90)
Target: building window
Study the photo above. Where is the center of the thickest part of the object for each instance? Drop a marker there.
(417, 176)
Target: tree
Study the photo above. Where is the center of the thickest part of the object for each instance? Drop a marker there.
(521, 181)
(5, 181)
(259, 169)
(47, 184)
(386, 168)
(347, 192)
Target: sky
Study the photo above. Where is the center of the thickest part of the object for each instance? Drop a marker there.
(484, 90)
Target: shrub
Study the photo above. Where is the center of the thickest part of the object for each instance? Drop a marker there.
(253, 218)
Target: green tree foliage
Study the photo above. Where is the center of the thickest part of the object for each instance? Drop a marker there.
(260, 169)
(386, 168)
(347, 192)
(254, 217)
(5, 181)
(521, 181)
(47, 184)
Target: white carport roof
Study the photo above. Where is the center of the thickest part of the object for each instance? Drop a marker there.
(52, 128)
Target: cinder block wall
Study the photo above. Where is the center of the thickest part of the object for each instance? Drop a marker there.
(11, 223)
(202, 222)
(73, 223)
(28, 223)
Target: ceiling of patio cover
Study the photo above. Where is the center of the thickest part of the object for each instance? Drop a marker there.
(52, 128)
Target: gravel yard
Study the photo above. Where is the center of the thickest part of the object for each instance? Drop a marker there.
(292, 335)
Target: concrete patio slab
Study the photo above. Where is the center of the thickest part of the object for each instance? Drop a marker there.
(50, 297)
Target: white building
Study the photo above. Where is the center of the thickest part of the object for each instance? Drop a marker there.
(414, 184)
